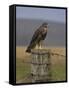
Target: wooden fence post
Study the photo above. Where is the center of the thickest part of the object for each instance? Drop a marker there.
(41, 65)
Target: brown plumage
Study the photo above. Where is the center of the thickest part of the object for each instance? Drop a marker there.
(38, 36)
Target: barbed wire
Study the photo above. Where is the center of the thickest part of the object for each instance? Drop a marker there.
(45, 62)
(29, 76)
(57, 54)
(35, 63)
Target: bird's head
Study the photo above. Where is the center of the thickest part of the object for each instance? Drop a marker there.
(45, 25)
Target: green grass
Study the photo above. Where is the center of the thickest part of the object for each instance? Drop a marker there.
(58, 69)
(58, 72)
(22, 69)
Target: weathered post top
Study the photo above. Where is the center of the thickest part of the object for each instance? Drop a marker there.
(40, 51)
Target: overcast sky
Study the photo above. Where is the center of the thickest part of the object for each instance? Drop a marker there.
(41, 13)
(28, 19)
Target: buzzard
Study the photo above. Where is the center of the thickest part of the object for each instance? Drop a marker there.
(38, 36)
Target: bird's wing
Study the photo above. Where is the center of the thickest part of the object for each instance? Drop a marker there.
(36, 34)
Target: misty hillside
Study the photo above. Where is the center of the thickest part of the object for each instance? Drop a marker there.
(25, 29)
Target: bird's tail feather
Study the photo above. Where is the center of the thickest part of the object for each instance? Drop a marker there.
(28, 50)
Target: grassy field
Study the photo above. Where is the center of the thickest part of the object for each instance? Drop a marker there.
(58, 68)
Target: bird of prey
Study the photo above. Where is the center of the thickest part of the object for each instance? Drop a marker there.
(38, 36)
